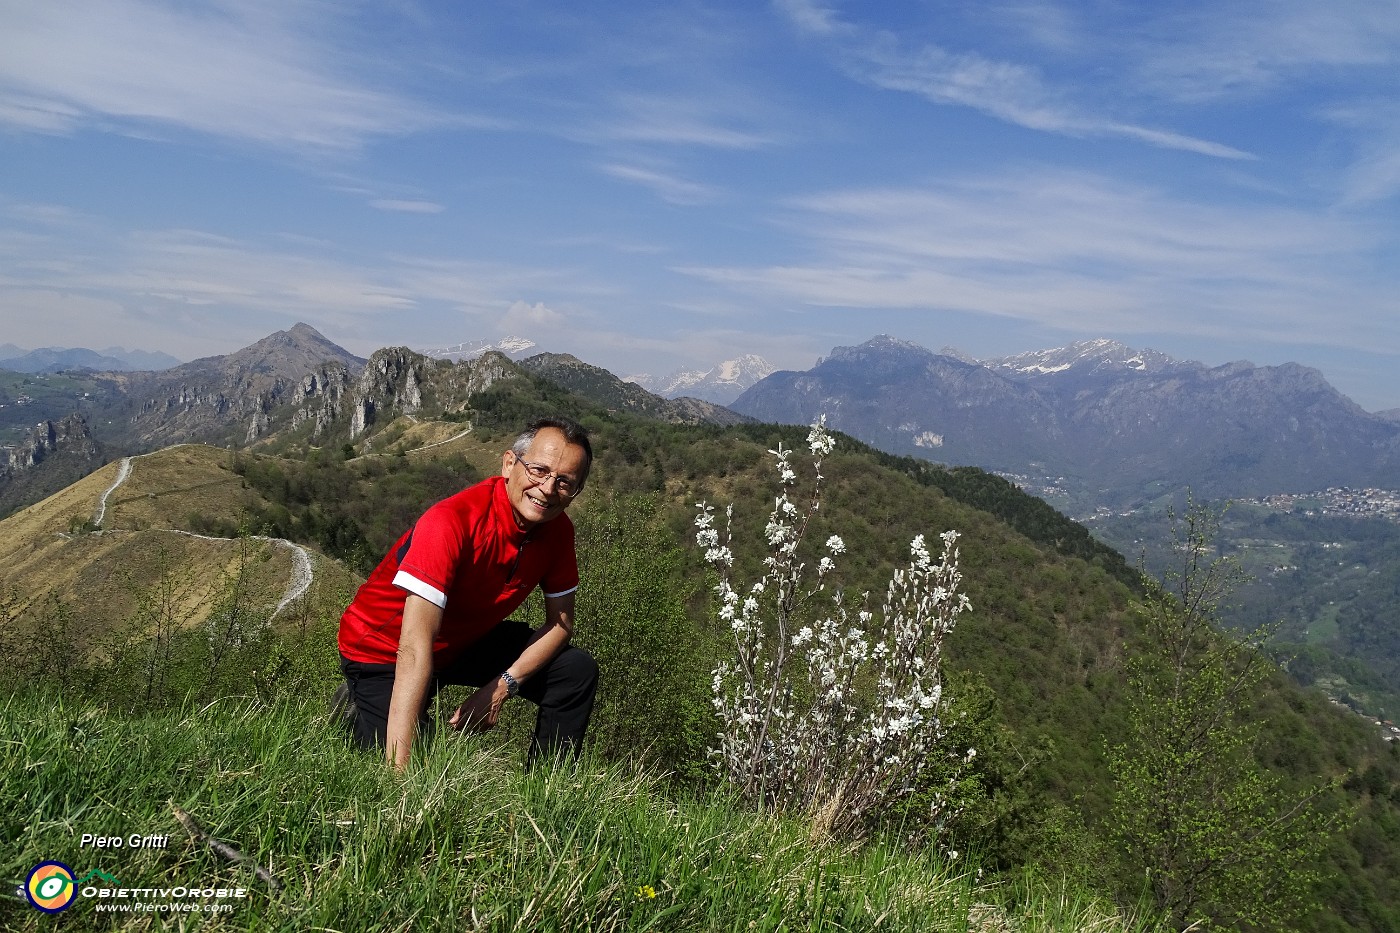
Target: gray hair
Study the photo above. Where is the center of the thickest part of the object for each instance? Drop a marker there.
(573, 432)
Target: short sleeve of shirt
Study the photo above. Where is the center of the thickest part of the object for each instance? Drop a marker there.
(431, 556)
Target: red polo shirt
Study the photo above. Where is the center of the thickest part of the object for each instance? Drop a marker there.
(467, 556)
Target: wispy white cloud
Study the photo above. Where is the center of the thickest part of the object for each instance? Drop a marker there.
(1081, 254)
(36, 114)
(1245, 47)
(811, 17)
(192, 293)
(255, 72)
(668, 187)
(406, 206)
(1010, 91)
(1374, 174)
(681, 119)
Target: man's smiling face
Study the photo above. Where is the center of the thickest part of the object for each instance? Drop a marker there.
(539, 502)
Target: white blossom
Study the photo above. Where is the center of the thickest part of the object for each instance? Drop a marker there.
(818, 441)
(819, 700)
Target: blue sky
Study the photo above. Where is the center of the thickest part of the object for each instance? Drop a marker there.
(655, 186)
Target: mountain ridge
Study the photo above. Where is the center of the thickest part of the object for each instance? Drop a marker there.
(1110, 423)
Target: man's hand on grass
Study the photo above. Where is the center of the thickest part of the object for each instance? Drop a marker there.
(481, 709)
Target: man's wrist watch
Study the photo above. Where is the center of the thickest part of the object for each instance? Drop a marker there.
(512, 685)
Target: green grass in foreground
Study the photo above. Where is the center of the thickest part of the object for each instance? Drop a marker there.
(464, 841)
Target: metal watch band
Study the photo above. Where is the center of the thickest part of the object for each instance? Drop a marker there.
(512, 685)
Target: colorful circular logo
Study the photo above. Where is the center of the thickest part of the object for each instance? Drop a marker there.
(50, 887)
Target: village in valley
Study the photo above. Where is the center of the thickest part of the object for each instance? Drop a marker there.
(1338, 500)
(1345, 501)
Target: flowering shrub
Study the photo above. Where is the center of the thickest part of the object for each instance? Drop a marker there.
(825, 708)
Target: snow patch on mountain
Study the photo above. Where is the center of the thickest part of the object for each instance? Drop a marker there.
(1087, 357)
(721, 383)
(516, 348)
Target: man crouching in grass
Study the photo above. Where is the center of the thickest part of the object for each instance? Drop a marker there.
(436, 609)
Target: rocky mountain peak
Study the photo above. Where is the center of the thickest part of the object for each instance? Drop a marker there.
(290, 352)
(208, 397)
(880, 343)
(956, 354)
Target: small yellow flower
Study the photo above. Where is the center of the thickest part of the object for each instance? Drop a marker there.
(646, 892)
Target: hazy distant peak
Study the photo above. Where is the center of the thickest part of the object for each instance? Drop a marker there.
(148, 360)
(720, 384)
(56, 359)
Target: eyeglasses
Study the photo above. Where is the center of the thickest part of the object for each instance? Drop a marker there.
(566, 486)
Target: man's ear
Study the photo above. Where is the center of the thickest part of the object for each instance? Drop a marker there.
(507, 461)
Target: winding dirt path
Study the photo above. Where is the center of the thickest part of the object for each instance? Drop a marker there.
(122, 473)
(302, 573)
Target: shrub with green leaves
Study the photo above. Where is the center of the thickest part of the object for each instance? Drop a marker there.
(1221, 842)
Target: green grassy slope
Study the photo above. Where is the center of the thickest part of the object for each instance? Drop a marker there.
(462, 841)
